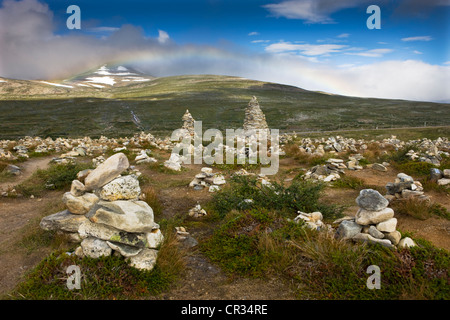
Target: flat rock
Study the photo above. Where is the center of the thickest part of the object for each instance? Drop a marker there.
(374, 232)
(125, 250)
(130, 216)
(122, 188)
(365, 237)
(371, 200)
(64, 220)
(107, 233)
(366, 217)
(107, 171)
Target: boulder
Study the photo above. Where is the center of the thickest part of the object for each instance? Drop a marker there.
(144, 260)
(388, 225)
(447, 173)
(95, 248)
(393, 188)
(404, 177)
(64, 220)
(371, 200)
(366, 217)
(348, 229)
(79, 205)
(106, 171)
(130, 216)
(122, 188)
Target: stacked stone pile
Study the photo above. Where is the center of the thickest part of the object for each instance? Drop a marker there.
(254, 117)
(312, 220)
(374, 222)
(105, 214)
(328, 172)
(404, 187)
(207, 179)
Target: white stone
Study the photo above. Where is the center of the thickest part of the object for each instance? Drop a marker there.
(374, 232)
(122, 188)
(388, 225)
(154, 239)
(406, 243)
(366, 217)
(80, 205)
(219, 179)
(214, 188)
(145, 260)
(95, 248)
(77, 189)
(443, 182)
(106, 171)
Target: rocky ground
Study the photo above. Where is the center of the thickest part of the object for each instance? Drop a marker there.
(202, 280)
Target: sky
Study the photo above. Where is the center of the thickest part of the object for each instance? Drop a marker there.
(321, 45)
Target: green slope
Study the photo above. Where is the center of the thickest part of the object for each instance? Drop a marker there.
(219, 101)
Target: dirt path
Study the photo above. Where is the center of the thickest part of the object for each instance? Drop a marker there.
(28, 168)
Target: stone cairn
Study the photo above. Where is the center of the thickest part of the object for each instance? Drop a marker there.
(254, 117)
(188, 122)
(374, 222)
(207, 179)
(104, 212)
(404, 187)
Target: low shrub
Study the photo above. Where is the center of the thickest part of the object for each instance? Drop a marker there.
(245, 192)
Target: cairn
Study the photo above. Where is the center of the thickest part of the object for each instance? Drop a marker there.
(104, 212)
(404, 187)
(254, 117)
(188, 122)
(207, 179)
(374, 222)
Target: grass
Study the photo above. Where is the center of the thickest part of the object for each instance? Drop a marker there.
(420, 209)
(56, 177)
(219, 101)
(260, 243)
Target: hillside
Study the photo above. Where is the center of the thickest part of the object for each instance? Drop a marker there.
(100, 102)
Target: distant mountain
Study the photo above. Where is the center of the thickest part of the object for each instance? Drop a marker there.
(104, 78)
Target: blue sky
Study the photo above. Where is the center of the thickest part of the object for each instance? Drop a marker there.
(254, 26)
(314, 44)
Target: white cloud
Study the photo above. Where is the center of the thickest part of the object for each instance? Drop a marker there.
(306, 49)
(374, 53)
(417, 52)
(103, 29)
(163, 36)
(30, 50)
(344, 35)
(260, 41)
(254, 33)
(312, 11)
(418, 38)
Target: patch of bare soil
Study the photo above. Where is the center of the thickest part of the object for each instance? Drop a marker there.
(16, 216)
(28, 168)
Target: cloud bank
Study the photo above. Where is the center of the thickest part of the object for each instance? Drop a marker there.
(30, 49)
